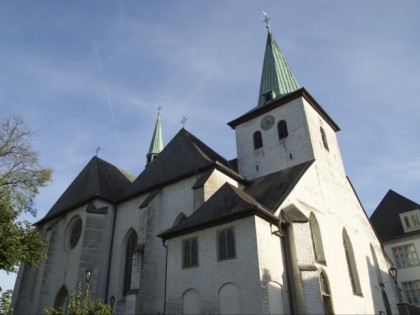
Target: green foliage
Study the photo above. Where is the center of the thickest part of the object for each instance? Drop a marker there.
(21, 175)
(6, 303)
(81, 303)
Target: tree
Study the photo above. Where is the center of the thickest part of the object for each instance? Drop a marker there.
(6, 303)
(21, 175)
(81, 303)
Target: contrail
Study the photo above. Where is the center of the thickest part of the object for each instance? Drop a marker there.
(105, 86)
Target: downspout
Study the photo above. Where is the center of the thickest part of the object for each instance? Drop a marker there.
(286, 254)
(110, 252)
(166, 275)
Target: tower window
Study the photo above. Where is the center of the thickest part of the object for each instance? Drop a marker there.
(324, 139)
(258, 143)
(282, 129)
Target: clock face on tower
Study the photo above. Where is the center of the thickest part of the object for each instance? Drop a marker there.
(267, 122)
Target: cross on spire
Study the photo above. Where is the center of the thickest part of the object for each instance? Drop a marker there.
(159, 108)
(266, 19)
(183, 121)
(97, 150)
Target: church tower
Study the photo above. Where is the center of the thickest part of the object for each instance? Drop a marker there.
(156, 146)
(287, 127)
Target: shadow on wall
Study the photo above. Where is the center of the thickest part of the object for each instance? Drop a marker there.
(377, 288)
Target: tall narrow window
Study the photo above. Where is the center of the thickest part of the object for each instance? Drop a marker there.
(316, 239)
(226, 240)
(128, 265)
(62, 299)
(351, 264)
(324, 139)
(325, 293)
(190, 253)
(282, 129)
(258, 143)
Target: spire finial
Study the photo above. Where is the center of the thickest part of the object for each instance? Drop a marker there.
(183, 121)
(159, 108)
(266, 19)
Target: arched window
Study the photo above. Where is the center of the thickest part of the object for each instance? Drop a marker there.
(258, 143)
(325, 293)
(191, 302)
(128, 264)
(316, 239)
(351, 264)
(190, 253)
(62, 299)
(282, 129)
(324, 139)
(226, 244)
(229, 299)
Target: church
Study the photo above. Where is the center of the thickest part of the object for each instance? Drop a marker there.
(277, 230)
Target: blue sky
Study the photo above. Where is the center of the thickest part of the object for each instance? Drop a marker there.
(92, 73)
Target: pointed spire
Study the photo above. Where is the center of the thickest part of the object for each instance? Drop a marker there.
(156, 146)
(277, 78)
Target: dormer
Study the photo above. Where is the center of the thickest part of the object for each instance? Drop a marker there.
(410, 220)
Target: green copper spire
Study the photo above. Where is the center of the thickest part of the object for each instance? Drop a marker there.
(277, 78)
(156, 146)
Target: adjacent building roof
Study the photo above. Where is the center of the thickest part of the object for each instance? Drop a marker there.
(276, 74)
(183, 156)
(99, 179)
(386, 217)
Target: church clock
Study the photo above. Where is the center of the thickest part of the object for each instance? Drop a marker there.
(267, 122)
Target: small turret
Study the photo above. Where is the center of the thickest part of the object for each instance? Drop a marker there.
(156, 146)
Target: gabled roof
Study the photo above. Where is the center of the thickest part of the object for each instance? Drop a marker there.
(183, 156)
(272, 189)
(227, 204)
(276, 74)
(386, 217)
(99, 179)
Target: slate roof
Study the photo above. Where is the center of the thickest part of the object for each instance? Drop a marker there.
(99, 179)
(183, 156)
(262, 197)
(386, 220)
(227, 204)
(272, 189)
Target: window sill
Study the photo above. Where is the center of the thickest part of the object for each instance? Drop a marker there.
(132, 292)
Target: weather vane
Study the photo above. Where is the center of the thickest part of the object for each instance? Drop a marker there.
(266, 19)
(97, 150)
(183, 121)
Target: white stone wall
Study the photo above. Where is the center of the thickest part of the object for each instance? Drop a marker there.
(275, 154)
(335, 206)
(66, 266)
(211, 274)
